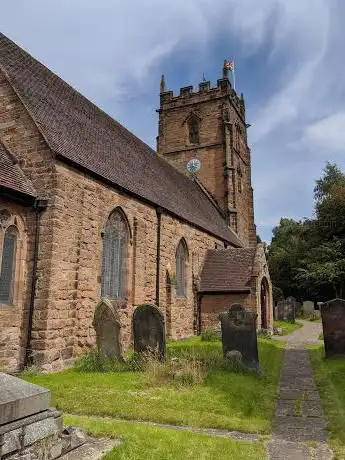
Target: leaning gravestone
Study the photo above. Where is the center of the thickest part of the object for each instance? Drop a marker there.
(308, 308)
(239, 334)
(149, 331)
(285, 311)
(107, 326)
(333, 323)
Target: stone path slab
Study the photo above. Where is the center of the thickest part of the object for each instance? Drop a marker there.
(299, 427)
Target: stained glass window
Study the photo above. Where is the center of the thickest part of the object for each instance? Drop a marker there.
(114, 257)
(8, 265)
(180, 270)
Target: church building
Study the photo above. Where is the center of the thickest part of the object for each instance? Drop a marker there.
(94, 223)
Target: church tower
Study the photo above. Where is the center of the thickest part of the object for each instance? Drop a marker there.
(210, 125)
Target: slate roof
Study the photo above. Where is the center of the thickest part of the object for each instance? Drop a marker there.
(11, 176)
(227, 270)
(80, 133)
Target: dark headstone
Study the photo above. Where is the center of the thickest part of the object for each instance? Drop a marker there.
(239, 333)
(149, 330)
(285, 311)
(107, 325)
(333, 323)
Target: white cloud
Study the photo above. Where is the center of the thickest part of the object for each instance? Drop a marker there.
(327, 134)
(304, 38)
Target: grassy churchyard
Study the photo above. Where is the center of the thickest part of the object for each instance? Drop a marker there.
(329, 377)
(193, 388)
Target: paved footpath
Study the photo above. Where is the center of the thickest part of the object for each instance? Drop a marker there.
(299, 427)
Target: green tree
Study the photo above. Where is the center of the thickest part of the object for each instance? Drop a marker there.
(307, 258)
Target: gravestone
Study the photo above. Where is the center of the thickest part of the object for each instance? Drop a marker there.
(149, 330)
(238, 327)
(308, 308)
(107, 326)
(285, 311)
(333, 323)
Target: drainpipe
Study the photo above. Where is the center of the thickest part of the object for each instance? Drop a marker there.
(158, 254)
(39, 206)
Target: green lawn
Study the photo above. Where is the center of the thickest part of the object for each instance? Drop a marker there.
(155, 443)
(329, 375)
(288, 327)
(223, 400)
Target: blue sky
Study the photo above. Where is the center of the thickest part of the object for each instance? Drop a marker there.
(289, 65)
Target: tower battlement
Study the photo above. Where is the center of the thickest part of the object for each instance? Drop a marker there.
(205, 92)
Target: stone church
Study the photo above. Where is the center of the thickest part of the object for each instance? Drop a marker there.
(94, 223)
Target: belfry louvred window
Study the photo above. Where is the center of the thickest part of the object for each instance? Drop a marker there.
(115, 241)
(194, 128)
(181, 270)
(8, 263)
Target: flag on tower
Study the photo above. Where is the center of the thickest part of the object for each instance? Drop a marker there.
(229, 65)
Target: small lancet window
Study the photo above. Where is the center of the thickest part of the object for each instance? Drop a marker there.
(8, 265)
(181, 259)
(114, 265)
(194, 130)
(239, 178)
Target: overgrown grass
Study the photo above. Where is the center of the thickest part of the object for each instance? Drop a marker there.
(156, 443)
(288, 328)
(233, 401)
(329, 376)
(210, 335)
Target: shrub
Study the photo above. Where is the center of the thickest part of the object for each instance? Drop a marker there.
(210, 335)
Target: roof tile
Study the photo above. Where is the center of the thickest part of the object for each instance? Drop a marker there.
(227, 270)
(11, 176)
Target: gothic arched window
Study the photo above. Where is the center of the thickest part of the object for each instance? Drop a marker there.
(114, 267)
(194, 130)
(8, 262)
(181, 260)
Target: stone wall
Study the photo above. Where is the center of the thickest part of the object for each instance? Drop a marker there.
(80, 210)
(211, 305)
(21, 135)
(13, 318)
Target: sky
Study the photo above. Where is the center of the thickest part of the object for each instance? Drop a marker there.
(289, 62)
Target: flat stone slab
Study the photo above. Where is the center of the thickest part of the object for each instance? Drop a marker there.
(19, 399)
(93, 450)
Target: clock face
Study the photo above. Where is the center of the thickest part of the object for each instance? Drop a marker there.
(193, 165)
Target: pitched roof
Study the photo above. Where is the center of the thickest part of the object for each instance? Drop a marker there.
(11, 176)
(227, 270)
(79, 132)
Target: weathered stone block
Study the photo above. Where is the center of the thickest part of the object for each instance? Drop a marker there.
(39, 430)
(12, 441)
(20, 399)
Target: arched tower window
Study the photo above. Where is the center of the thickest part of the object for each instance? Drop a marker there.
(194, 130)
(181, 261)
(114, 266)
(8, 262)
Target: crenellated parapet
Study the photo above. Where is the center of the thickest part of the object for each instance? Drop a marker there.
(205, 92)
